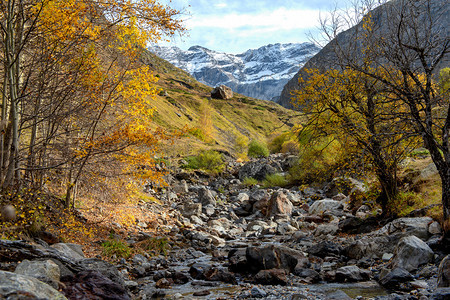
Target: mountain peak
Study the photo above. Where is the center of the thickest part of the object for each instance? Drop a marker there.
(260, 73)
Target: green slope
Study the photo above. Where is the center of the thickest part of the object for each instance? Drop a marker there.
(179, 105)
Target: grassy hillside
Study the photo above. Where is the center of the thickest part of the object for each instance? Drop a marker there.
(182, 102)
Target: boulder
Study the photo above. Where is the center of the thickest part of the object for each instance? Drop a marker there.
(307, 274)
(385, 239)
(206, 197)
(70, 250)
(393, 278)
(426, 173)
(44, 270)
(242, 197)
(326, 248)
(279, 206)
(103, 267)
(257, 169)
(325, 229)
(351, 274)
(440, 294)
(222, 92)
(191, 209)
(411, 252)
(259, 195)
(94, 285)
(257, 225)
(16, 286)
(325, 205)
(444, 273)
(271, 277)
(181, 188)
(338, 295)
(407, 226)
(219, 274)
(371, 247)
(238, 260)
(256, 292)
(274, 257)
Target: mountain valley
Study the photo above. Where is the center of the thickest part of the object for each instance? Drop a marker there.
(259, 73)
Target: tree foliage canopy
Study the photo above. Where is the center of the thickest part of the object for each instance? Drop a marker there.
(76, 98)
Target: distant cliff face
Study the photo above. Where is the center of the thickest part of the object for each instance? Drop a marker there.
(260, 73)
(326, 58)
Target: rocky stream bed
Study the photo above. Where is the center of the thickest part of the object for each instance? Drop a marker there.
(235, 242)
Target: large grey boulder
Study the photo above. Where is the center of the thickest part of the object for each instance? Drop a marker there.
(17, 286)
(385, 239)
(407, 226)
(44, 270)
(411, 252)
(70, 250)
(326, 205)
(279, 205)
(222, 92)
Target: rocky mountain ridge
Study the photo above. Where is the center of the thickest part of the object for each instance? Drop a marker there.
(259, 73)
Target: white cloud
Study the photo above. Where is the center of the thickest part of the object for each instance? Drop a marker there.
(279, 19)
(220, 5)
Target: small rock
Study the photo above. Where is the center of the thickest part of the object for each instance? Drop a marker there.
(271, 277)
(434, 228)
(419, 284)
(308, 274)
(387, 257)
(164, 283)
(206, 197)
(258, 293)
(191, 209)
(201, 293)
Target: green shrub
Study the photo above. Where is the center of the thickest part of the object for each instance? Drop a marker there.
(116, 247)
(240, 146)
(209, 160)
(275, 180)
(154, 245)
(257, 149)
(249, 181)
(277, 142)
(319, 162)
(290, 147)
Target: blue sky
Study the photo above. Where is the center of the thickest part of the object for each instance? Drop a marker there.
(234, 26)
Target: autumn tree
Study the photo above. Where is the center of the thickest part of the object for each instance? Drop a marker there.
(410, 40)
(357, 111)
(75, 92)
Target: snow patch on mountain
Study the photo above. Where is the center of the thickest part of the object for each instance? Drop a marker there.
(259, 73)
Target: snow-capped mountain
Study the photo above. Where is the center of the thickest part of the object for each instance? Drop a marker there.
(260, 73)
